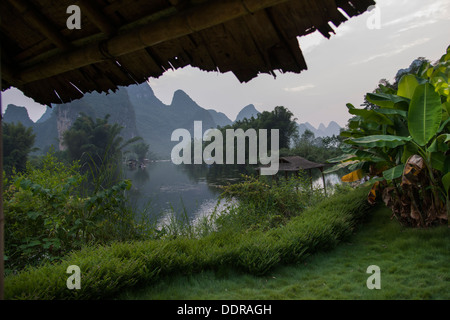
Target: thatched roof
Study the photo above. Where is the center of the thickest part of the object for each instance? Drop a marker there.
(295, 164)
(124, 42)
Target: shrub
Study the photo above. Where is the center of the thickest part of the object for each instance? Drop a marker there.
(266, 204)
(402, 143)
(47, 217)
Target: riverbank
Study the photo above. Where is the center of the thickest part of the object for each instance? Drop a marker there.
(108, 270)
(413, 265)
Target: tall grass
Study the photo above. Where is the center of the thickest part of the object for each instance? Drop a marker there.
(106, 270)
(413, 264)
(265, 203)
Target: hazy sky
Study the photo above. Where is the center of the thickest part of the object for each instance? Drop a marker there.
(340, 70)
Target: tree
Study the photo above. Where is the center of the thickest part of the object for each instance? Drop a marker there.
(282, 119)
(97, 145)
(307, 137)
(141, 150)
(314, 149)
(18, 142)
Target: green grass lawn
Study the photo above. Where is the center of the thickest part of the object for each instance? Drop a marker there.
(414, 264)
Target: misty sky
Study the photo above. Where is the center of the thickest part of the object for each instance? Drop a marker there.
(340, 70)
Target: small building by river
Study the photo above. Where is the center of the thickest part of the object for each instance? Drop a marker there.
(295, 164)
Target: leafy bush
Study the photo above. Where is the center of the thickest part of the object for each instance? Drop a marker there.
(18, 142)
(315, 149)
(47, 216)
(266, 204)
(403, 143)
(106, 270)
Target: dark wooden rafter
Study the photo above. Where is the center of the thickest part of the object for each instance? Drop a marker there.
(32, 16)
(204, 16)
(124, 42)
(8, 66)
(95, 14)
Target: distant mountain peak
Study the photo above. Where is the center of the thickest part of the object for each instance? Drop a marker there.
(247, 112)
(182, 100)
(180, 94)
(46, 115)
(142, 90)
(16, 114)
(219, 118)
(322, 131)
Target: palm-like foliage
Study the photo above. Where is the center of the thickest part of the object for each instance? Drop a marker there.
(403, 144)
(98, 146)
(18, 142)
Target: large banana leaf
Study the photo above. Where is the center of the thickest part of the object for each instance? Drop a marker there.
(394, 173)
(353, 176)
(425, 115)
(359, 155)
(407, 85)
(380, 141)
(341, 158)
(446, 182)
(440, 144)
(446, 107)
(402, 113)
(369, 115)
(440, 162)
(339, 166)
(390, 101)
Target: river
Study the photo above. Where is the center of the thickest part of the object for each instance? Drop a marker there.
(162, 187)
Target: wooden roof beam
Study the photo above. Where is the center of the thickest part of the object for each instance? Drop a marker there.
(32, 15)
(193, 20)
(96, 16)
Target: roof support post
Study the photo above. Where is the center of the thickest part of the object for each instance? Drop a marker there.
(323, 179)
(2, 216)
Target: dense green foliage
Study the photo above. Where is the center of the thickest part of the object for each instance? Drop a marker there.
(266, 202)
(107, 270)
(141, 150)
(314, 149)
(403, 142)
(48, 214)
(280, 118)
(98, 146)
(413, 263)
(18, 142)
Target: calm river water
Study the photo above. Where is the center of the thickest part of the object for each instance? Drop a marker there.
(163, 187)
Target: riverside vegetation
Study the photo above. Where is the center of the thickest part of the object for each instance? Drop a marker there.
(61, 211)
(401, 141)
(109, 269)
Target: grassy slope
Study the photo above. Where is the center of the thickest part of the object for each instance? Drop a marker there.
(414, 265)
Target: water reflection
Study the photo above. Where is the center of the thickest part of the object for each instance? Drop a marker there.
(163, 187)
(190, 190)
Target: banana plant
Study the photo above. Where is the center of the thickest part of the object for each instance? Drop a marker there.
(407, 132)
